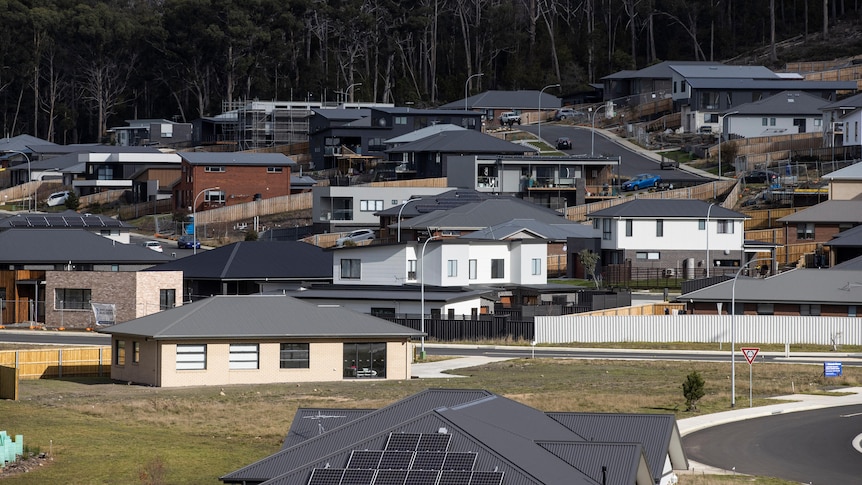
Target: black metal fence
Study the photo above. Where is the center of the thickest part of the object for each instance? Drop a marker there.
(484, 327)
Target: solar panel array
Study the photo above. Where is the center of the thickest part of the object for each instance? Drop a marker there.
(45, 221)
(409, 459)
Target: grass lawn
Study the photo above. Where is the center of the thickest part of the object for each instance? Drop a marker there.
(100, 432)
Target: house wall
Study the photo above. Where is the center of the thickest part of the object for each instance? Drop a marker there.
(323, 205)
(678, 234)
(240, 184)
(778, 309)
(844, 189)
(822, 233)
(402, 306)
(752, 125)
(325, 362)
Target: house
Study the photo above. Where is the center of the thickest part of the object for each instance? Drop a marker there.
(529, 104)
(52, 276)
(668, 234)
(845, 246)
(154, 132)
(108, 227)
(249, 267)
(643, 84)
(786, 113)
(702, 93)
(255, 340)
(845, 183)
(820, 223)
(843, 119)
(226, 179)
(471, 437)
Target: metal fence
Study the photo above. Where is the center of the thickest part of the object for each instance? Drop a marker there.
(466, 328)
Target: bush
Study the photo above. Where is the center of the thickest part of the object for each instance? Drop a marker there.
(693, 390)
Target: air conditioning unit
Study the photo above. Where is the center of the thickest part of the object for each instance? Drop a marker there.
(669, 272)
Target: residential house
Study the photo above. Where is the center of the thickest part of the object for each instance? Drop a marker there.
(413, 206)
(843, 119)
(670, 235)
(249, 267)
(154, 132)
(226, 179)
(786, 113)
(530, 104)
(51, 276)
(820, 223)
(108, 227)
(845, 246)
(643, 84)
(846, 183)
(256, 340)
(471, 437)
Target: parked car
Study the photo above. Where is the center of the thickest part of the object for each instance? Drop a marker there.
(760, 177)
(564, 143)
(567, 114)
(668, 163)
(355, 236)
(154, 245)
(509, 118)
(57, 198)
(642, 181)
(188, 242)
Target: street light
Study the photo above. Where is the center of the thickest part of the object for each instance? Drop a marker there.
(733, 331)
(422, 294)
(540, 106)
(29, 177)
(467, 84)
(721, 135)
(195, 239)
(403, 205)
(593, 129)
(707, 238)
(349, 91)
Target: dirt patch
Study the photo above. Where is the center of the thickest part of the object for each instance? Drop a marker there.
(25, 465)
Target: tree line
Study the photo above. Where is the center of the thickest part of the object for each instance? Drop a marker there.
(71, 69)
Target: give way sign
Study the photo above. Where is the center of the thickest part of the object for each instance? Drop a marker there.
(750, 353)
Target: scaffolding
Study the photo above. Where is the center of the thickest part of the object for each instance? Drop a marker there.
(264, 124)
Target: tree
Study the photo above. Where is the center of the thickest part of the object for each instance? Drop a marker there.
(589, 260)
(693, 390)
(251, 235)
(73, 202)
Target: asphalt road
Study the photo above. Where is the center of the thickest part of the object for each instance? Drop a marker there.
(814, 447)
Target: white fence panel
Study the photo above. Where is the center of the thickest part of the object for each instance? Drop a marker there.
(700, 328)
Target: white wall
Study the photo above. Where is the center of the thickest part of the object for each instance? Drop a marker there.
(752, 125)
(679, 234)
(390, 196)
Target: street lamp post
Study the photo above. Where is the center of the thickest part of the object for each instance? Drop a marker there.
(349, 91)
(195, 239)
(467, 84)
(593, 129)
(707, 264)
(403, 205)
(422, 295)
(30, 196)
(721, 135)
(733, 332)
(540, 106)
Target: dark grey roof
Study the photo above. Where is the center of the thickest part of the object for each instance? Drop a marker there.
(423, 133)
(236, 158)
(247, 260)
(854, 264)
(343, 114)
(20, 143)
(430, 203)
(829, 212)
(667, 209)
(516, 100)
(75, 246)
(523, 444)
(259, 316)
(531, 228)
(852, 172)
(764, 84)
(662, 70)
(460, 142)
(62, 220)
(721, 71)
(445, 294)
(850, 238)
(479, 215)
(798, 286)
(298, 181)
(852, 102)
(310, 422)
(784, 103)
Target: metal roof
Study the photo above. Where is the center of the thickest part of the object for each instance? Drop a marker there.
(852, 102)
(507, 100)
(850, 238)
(310, 422)
(785, 103)
(798, 286)
(429, 203)
(667, 209)
(830, 211)
(662, 70)
(531, 228)
(259, 316)
(479, 215)
(764, 84)
(460, 142)
(62, 220)
(236, 158)
(423, 133)
(721, 71)
(71, 246)
(852, 172)
(402, 293)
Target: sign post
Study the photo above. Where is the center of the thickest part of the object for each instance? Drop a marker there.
(750, 353)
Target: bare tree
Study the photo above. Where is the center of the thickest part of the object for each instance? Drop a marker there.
(104, 82)
(55, 89)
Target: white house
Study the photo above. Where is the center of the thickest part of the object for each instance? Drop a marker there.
(670, 233)
(786, 113)
(343, 208)
(844, 122)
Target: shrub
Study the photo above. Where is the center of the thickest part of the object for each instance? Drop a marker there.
(693, 390)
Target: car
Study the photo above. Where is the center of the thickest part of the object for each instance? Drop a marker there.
(57, 198)
(668, 163)
(642, 181)
(154, 245)
(564, 143)
(509, 118)
(760, 177)
(188, 242)
(355, 237)
(567, 114)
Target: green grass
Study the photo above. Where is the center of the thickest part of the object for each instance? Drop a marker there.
(103, 433)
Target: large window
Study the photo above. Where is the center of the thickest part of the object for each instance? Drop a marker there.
(244, 356)
(805, 230)
(72, 298)
(725, 226)
(351, 269)
(120, 352)
(452, 268)
(191, 356)
(214, 196)
(294, 356)
(498, 269)
(167, 298)
(370, 205)
(365, 360)
(606, 229)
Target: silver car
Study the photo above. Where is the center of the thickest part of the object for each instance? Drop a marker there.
(355, 236)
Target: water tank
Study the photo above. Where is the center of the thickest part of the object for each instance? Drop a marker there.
(688, 269)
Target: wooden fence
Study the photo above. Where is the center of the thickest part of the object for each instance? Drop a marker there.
(58, 362)
(766, 219)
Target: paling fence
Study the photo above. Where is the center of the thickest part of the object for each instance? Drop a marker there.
(57, 362)
(760, 329)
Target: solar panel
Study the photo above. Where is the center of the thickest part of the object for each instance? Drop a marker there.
(358, 477)
(402, 441)
(397, 460)
(326, 476)
(433, 442)
(454, 477)
(421, 477)
(486, 478)
(364, 459)
(459, 461)
(391, 477)
(428, 460)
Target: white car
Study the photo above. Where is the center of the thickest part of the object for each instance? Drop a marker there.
(57, 198)
(355, 236)
(154, 245)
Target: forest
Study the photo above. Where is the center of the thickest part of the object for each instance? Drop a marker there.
(71, 69)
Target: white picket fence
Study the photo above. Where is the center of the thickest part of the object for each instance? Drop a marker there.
(700, 328)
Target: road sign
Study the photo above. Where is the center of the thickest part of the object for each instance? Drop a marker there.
(832, 369)
(750, 353)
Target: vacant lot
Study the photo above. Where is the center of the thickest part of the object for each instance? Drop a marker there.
(104, 433)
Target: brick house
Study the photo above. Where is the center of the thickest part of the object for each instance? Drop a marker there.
(223, 179)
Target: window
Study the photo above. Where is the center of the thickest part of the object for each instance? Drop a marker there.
(771, 121)
(411, 269)
(805, 230)
(72, 299)
(120, 352)
(214, 196)
(351, 269)
(659, 228)
(294, 356)
(214, 168)
(243, 356)
(648, 255)
(701, 224)
(765, 309)
(851, 310)
(400, 120)
(628, 228)
(810, 310)
(452, 268)
(191, 356)
(606, 229)
(764, 121)
(498, 268)
(597, 223)
(365, 360)
(167, 298)
(274, 169)
(818, 122)
(537, 266)
(725, 226)
(370, 205)
(136, 352)
(473, 269)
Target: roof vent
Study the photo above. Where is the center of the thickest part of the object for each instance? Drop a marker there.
(443, 431)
